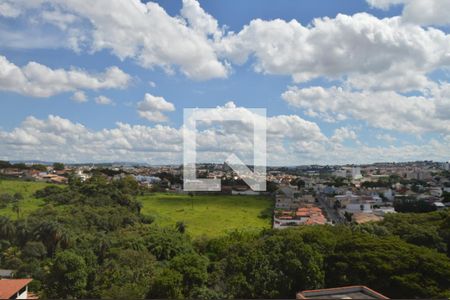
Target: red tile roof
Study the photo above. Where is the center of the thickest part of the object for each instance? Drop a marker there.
(9, 287)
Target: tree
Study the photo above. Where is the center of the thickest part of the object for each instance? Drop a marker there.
(124, 291)
(274, 264)
(51, 234)
(39, 167)
(16, 208)
(348, 216)
(389, 265)
(7, 229)
(168, 284)
(446, 197)
(127, 268)
(271, 186)
(300, 183)
(18, 196)
(337, 204)
(127, 185)
(4, 164)
(191, 195)
(34, 250)
(193, 268)
(20, 166)
(413, 205)
(6, 198)
(67, 277)
(58, 166)
(180, 227)
(166, 243)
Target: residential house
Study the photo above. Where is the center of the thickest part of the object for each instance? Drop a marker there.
(286, 198)
(15, 289)
(307, 215)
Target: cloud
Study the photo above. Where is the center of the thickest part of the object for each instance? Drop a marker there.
(9, 11)
(79, 97)
(56, 138)
(366, 52)
(380, 54)
(429, 12)
(38, 80)
(49, 139)
(152, 108)
(152, 84)
(387, 110)
(290, 140)
(103, 100)
(342, 134)
(198, 19)
(143, 32)
(58, 18)
(386, 137)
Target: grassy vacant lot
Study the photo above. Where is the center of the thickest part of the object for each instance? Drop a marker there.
(211, 215)
(27, 189)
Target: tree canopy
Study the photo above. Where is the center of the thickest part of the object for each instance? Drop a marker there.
(90, 240)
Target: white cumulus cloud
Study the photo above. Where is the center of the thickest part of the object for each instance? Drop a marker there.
(387, 110)
(56, 138)
(343, 133)
(79, 97)
(424, 12)
(380, 54)
(152, 108)
(103, 100)
(132, 29)
(38, 80)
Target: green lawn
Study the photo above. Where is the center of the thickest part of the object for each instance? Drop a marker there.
(27, 189)
(212, 215)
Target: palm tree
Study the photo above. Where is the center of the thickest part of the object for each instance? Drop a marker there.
(50, 233)
(7, 229)
(22, 233)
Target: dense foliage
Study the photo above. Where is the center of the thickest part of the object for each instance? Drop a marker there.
(90, 240)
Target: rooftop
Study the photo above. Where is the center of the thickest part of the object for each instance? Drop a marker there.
(9, 287)
(347, 292)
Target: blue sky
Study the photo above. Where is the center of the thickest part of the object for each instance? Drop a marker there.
(366, 81)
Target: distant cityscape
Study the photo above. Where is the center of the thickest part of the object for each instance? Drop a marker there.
(303, 195)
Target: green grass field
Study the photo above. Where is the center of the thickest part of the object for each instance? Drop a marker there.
(211, 215)
(27, 189)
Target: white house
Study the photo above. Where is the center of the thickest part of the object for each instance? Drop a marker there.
(362, 206)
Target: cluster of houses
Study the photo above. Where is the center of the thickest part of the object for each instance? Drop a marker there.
(360, 207)
(305, 195)
(294, 207)
(50, 175)
(364, 193)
